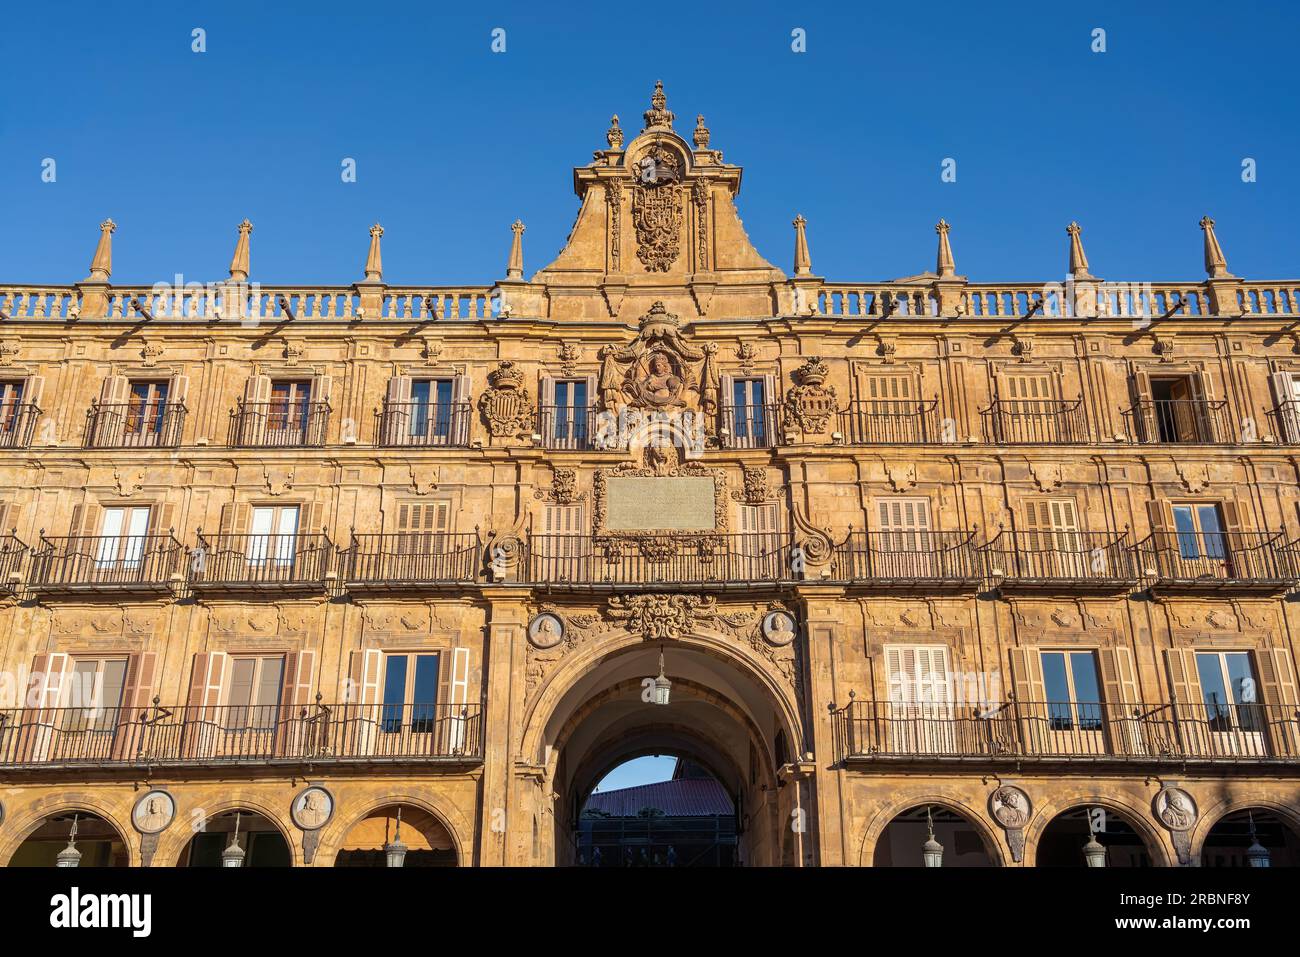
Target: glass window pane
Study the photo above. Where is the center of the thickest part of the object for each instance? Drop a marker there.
(1242, 677)
(1213, 690)
(425, 694)
(394, 692)
(1057, 688)
(1185, 523)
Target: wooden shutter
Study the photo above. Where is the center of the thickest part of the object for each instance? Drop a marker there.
(207, 683)
(258, 389)
(298, 668)
(178, 389)
(421, 526)
(1121, 701)
(162, 518)
(1030, 697)
(1025, 387)
(115, 389)
(1288, 409)
(1160, 514)
(257, 404)
(234, 518)
(1184, 679)
(1278, 690)
(397, 418)
(321, 387)
(365, 672)
(5, 510)
(110, 425)
(49, 681)
(34, 390)
(85, 520)
(563, 519)
(138, 691)
(1144, 408)
(888, 388)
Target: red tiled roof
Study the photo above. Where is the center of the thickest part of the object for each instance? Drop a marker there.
(680, 798)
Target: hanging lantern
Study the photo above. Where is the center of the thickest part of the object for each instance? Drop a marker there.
(233, 855)
(663, 687)
(70, 856)
(931, 850)
(1094, 853)
(395, 850)
(1257, 853)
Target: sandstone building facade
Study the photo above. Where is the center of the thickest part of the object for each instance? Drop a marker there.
(1013, 563)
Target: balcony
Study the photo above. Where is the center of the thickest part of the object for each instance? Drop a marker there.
(567, 428)
(1179, 421)
(750, 427)
(1213, 562)
(410, 561)
(918, 561)
(1060, 561)
(1034, 422)
(1285, 422)
(34, 738)
(719, 561)
(890, 422)
(107, 565)
(275, 564)
(134, 425)
(12, 550)
(424, 424)
(18, 425)
(876, 732)
(279, 425)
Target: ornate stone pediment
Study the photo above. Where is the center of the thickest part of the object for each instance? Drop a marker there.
(659, 370)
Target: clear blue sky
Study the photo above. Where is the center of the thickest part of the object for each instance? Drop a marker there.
(453, 142)
(650, 769)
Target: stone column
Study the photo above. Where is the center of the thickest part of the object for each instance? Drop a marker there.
(501, 817)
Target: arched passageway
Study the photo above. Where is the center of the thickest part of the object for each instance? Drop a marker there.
(906, 839)
(720, 715)
(83, 840)
(1251, 837)
(423, 840)
(242, 835)
(1101, 834)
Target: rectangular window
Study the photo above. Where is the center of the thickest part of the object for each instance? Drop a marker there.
(97, 685)
(570, 413)
(1179, 416)
(904, 524)
(289, 406)
(145, 407)
(1200, 531)
(273, 535)
(254, 694)
(410, 694)
(919, 678)
(1072, 689)
(749, 413)
(122, 537)
(431, 407)
(11, 402)
(1229, 690)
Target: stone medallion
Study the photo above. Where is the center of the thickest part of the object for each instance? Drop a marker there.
(1176, 810)
(545, 631)
(1011, 808)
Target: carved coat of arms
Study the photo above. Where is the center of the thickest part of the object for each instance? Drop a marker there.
(506, 405)
(810, 403)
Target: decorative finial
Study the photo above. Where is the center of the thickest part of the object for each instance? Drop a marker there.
(1078, 259)
(614, 136)
(515, 267)
(1216, 266)
(802, 260)
(101, 264)
(374, 261)
(239, 262)
(659, 114)
(946, 267)
(701, 133)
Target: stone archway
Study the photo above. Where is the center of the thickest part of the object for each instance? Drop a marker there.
(97, 840)
(725, 712)
(896, 837)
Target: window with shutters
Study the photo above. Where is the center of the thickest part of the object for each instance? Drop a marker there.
(569, 414)
(1229, 690)
(1072, 689)
(95, 692)
(431, 411)
(886, 393)
(749, 412)
(1178, 410)
(253, 693)
(122, 537)
(1199, 531)
(919, 678)
(11, 409)
(288, 411)
(146, 407)
(1050, 540)
(422, 527)
(410, 693)
(1286, 391)
(904, 524)
(273, 534)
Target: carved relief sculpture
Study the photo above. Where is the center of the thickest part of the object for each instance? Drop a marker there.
(506, 405)
(810, 403)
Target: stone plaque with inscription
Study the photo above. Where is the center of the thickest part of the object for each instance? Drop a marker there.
(659, 503)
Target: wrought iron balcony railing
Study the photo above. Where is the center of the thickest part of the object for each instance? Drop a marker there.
(12, 550)
(424, 424)
(134, 425)
(1230, 561)
(563, 560)
(1179, 421)
(566, 427)
(107, 563)
(1060, 560)
(1068, 731)
(18, 425)
(410, 560)
(1285, 422)
(300, 562)
(891, 422)
(279, 425)
(1034, 422)
(750, 426)
(235, 734)
(928, 559)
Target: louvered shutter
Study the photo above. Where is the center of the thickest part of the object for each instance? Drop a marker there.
(46, 692)
(110, 422)
(1121, 700)
(397, 410)
(362, 697)
(1279, 693)
(1144, 408)
(256, 410)
(1030, 697)
(1189, 702)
